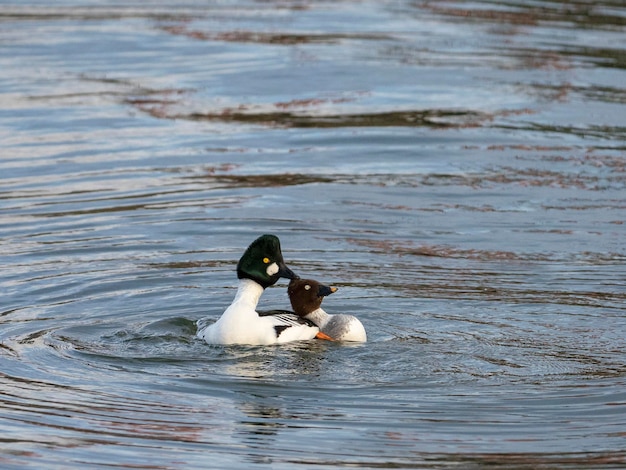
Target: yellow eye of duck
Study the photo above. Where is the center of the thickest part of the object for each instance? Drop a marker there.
(266, 260)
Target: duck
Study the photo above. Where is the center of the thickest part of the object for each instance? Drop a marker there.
(306, 297)
(260, 267)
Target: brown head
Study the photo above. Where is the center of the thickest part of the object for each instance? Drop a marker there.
(306, 295)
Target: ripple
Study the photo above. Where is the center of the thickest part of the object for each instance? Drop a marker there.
(587, 15)
(247, 114)
(284, 38)
(444, 165)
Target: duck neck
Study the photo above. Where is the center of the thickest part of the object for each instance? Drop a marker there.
(248, 293)
(318, 316)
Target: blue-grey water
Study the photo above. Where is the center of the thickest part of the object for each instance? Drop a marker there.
(457, 169)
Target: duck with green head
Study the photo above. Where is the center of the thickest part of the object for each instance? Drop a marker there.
(260, 267)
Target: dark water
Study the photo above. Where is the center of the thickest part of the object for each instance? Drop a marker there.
(457, 169)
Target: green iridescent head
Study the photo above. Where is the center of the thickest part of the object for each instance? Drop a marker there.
(263, 262)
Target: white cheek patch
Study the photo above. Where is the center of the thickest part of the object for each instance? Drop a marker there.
(271, 269)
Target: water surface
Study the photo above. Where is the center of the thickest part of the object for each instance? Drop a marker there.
(457, 169)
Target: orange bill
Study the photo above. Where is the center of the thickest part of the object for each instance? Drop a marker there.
(321, 335)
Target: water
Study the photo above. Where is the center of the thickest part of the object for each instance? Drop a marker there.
(457, 169)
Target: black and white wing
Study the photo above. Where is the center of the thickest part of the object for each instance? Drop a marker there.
(284, 319)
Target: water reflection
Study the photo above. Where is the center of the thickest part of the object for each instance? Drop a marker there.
(258, 431)
(456, 168)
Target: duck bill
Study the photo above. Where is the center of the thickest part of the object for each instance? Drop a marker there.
(284, 271)
(321, 335)
(323, 290)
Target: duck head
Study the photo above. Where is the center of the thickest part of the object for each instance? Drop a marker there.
(263, 262)
(306, 295)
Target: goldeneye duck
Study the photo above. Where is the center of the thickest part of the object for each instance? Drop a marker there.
(306, 297)
(260, 266)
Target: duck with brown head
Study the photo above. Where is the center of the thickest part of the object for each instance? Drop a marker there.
(306, 297)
